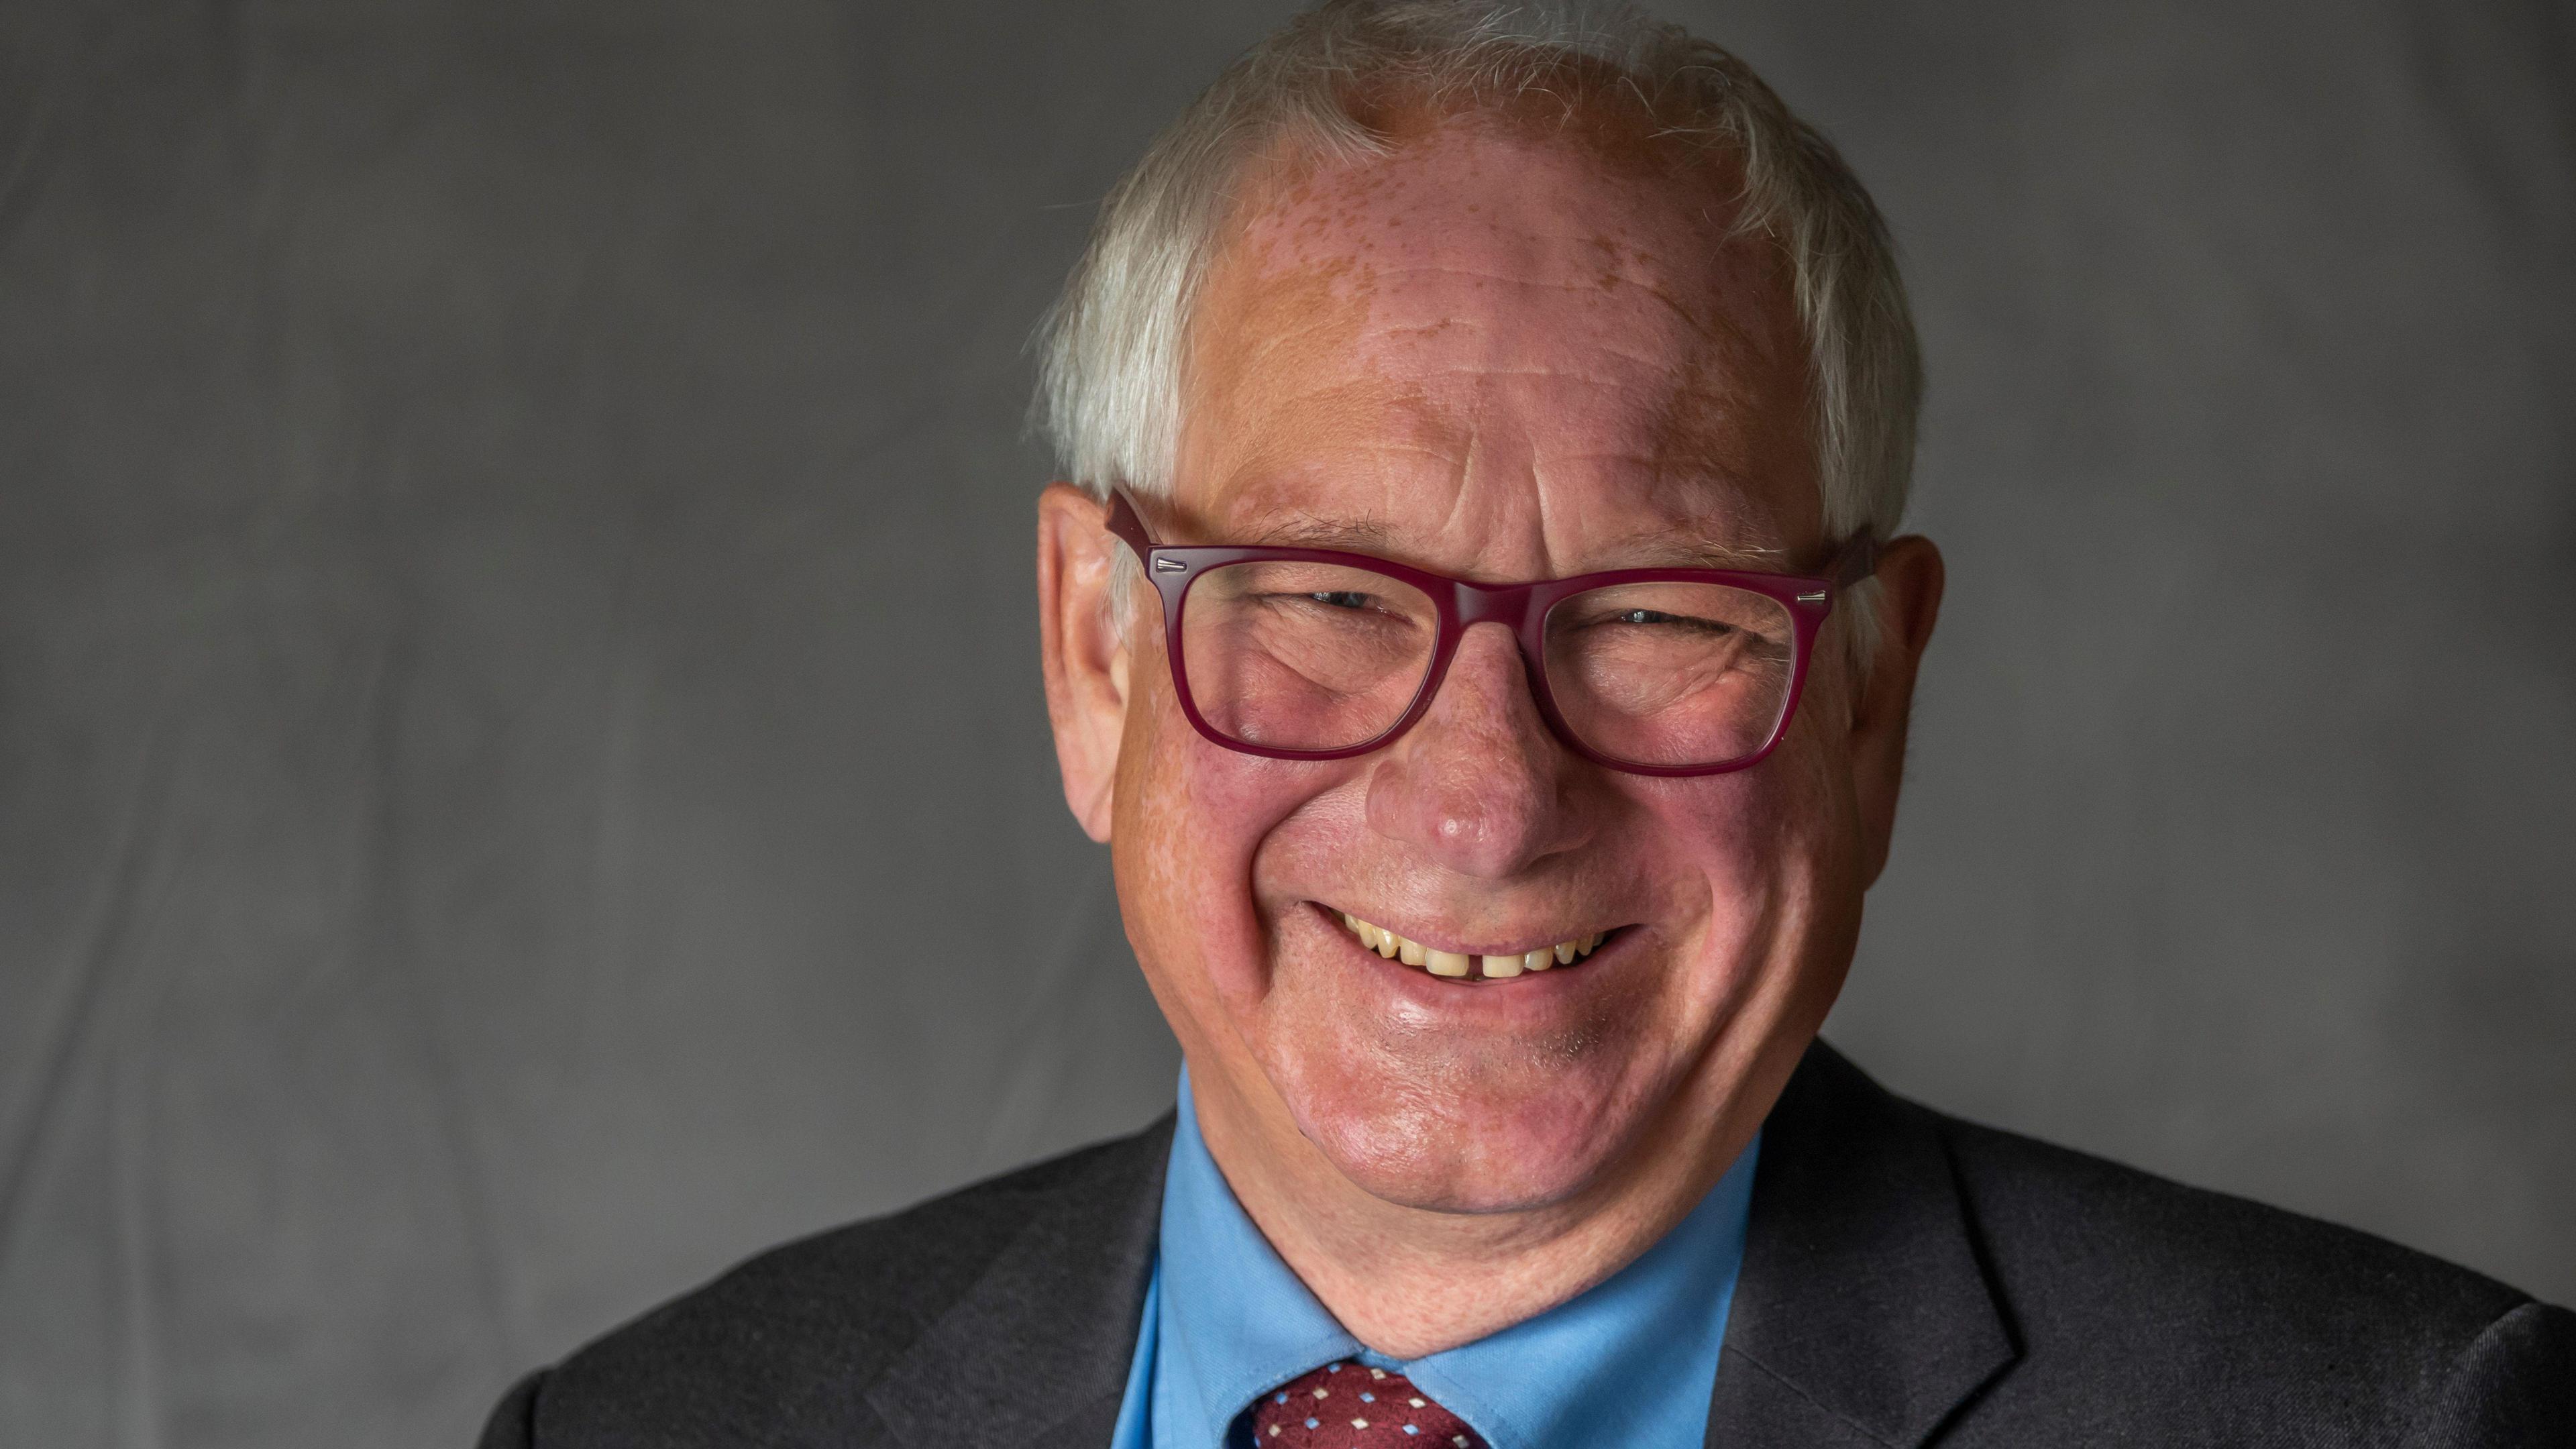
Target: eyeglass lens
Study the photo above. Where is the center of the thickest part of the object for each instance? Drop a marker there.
(1310, 656)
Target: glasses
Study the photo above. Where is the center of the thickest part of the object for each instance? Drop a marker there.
(1315, 654)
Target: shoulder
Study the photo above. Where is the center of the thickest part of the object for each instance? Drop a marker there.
(783, 1346)
(1925, 1279)
(2123, 1288)
(2060, 1220)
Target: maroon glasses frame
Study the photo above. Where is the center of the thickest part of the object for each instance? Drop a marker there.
(1521, 608)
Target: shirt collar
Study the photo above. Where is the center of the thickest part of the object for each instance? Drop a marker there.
(1628, 1361)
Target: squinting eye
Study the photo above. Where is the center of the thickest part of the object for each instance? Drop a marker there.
(1654, 616)
(1342, 600)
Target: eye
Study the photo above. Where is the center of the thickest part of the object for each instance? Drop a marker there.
(1315, 602)
(1680, 621)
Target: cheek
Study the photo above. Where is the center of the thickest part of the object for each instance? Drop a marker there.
(1191, 818)
(1754, 845)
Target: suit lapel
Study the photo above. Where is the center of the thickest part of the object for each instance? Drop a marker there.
(1861, 1316)
(1038, 1348)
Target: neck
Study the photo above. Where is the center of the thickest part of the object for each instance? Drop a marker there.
(1411, 1281)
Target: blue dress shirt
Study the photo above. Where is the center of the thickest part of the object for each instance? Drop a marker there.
(1632, 1361)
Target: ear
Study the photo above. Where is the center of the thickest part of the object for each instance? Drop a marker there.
(1084, 648)
(1910, 580)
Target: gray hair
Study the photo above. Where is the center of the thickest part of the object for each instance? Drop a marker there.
(1113, 349)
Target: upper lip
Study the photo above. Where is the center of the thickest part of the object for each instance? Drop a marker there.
(1437, 942)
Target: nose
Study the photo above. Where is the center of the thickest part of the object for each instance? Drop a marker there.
(1478, 783)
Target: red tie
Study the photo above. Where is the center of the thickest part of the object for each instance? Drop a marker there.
(1353, 1406)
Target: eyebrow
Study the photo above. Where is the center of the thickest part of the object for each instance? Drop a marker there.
(1668, 548)
(1306, 531)
(1657, 548)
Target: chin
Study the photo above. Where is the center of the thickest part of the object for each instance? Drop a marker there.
(1465, 1136)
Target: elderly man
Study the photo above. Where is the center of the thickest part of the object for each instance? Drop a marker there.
(1479, 628)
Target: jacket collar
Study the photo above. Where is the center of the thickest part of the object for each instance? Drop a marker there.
(1036, 1351)
(1862, 1316)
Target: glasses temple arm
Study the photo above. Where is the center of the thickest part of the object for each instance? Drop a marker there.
(1123, 524)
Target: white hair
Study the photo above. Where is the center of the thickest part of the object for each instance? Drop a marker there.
(1111, 385)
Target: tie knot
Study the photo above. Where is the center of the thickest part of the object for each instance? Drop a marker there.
(1352, 1406)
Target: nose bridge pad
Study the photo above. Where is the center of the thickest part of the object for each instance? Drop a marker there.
(1508, 607)
(1504, 606)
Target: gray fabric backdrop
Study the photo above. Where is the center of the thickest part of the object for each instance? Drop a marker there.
(492, 827)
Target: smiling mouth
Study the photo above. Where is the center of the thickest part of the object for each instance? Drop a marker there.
(1459, 966)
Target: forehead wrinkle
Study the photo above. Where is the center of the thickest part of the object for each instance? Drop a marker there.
(1711, 424)
(1416, 424)
(1709, 325)
(1570, 374)
(1597, 378)
(1348, 287)
(1258, 343)
(1702, 474)
(1388, 419)
(1691, 543)
(1692, 368)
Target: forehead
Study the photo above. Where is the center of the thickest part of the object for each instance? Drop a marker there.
(1497, 330)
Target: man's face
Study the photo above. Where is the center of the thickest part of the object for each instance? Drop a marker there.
(1499, 359)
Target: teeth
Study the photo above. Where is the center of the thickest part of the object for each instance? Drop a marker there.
(1458, 964)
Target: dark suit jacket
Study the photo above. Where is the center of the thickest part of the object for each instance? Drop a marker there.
(1908, 1279)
